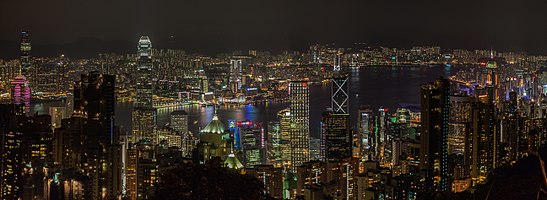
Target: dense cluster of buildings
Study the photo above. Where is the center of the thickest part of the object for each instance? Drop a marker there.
(485, 116)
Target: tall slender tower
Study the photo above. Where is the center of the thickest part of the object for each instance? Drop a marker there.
(299, 97)
(435, 100)
(25, 53)
(340, 88)
(144, 70)
(235, 74)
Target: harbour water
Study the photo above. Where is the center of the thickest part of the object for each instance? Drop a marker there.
(374, 86)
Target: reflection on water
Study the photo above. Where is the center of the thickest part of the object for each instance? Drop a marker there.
(376, 86)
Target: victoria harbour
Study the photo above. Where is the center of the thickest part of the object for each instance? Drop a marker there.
(273, 100)
(390, 86)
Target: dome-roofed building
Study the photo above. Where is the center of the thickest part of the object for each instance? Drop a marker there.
(214, 127)
(214, 140)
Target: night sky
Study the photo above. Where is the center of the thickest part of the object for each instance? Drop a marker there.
(222, 25)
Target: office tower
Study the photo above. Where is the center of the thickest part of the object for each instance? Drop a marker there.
(131, 160)
(460, 136)
(179, 121)
(365, 118)
(299, 98)
(235, 74)
(435, 101)
(94, 98)
(336, 136)
(284, 117)
(144, 70)
(253, 143)
(274, 138)
(492, 77)
(340, 93)
(94, 101)
(143, 121)
(203, 84)
(25, 54)
(486, 136)
(145, 170)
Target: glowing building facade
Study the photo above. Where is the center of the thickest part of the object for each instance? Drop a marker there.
(21, 91)
(299, 97)
(144, 70)
(25, 53)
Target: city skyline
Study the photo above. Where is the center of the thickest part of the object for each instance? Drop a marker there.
(264, 100)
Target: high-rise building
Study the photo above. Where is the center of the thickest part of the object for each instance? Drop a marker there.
(336, 137)
(21, 91)
(235, 74)
(435, 101)
(179, 121)
(253, 143)
(144, 71)
(284, 117)
(299, 98)
(460, 137)
(143, 123)
(25, 54)
(94, 101)
(485, 134)
(365, 117)
(340, 93)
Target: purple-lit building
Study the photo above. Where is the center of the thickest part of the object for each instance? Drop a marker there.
(21, 89)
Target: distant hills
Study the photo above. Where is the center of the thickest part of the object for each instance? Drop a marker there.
(82, 48)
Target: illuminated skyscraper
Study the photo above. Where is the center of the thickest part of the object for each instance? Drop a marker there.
(492, 77)
(365, 130)
(435, 101)
(299, 98)
(336, 137)
(284, 117)
(25, 54)
(179, 121)
(94, 100)
(144, 70)
(235, 74)
(340, 93)
(21, 89)
(143, 123)
(460, 137)
(340, 88)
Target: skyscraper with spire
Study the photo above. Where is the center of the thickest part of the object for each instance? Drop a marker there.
(144, 115)
(144, 70)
